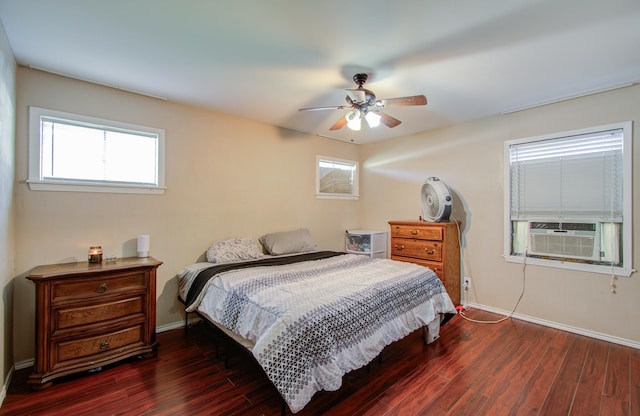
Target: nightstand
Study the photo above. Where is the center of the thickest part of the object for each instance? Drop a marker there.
(90, 315)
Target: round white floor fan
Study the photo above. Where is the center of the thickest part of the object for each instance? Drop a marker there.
(436, 200)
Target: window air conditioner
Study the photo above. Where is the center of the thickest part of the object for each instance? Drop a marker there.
(571, 240)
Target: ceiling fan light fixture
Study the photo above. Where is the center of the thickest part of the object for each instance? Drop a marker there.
(354, 122)
(364, 104)
(373, 119)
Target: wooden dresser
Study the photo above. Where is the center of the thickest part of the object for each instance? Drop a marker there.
(90, 315)
(431, 244)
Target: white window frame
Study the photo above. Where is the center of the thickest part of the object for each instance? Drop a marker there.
(354, 194)
(36, 179)
(627, 226)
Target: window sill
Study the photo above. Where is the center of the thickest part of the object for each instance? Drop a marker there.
(337, 196)
(569, 265)
(70, 186)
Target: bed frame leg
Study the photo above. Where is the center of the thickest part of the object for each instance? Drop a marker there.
(226, 352)
(216, 341)
(425, 334)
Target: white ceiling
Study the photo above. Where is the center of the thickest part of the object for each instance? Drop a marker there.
(264, 59)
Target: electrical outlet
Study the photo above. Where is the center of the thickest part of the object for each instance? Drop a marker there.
(466, 283)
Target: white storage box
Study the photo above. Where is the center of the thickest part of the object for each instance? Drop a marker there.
(369, 242)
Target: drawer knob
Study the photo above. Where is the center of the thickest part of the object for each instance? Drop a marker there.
(414, 232)
(102, 287)
(399, 247)
(104, 345)
(430, 252)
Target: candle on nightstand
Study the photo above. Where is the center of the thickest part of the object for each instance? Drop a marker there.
(95, 254)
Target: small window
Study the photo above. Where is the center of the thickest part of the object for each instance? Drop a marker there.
(336, 178)
(70, 152)
(568, 200)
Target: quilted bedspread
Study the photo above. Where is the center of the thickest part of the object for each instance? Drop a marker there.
(314, 321)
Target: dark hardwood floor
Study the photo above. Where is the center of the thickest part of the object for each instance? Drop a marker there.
(511, 368)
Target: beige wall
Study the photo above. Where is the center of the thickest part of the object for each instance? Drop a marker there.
(225, 177)
(7, 144)
(469, 158)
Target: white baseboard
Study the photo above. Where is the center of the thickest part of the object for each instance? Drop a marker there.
(177, 325)
(24, 364)
(5, 387)
(556, 325)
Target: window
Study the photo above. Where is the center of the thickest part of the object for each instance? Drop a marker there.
(568, 200)
(70, 152)
(336, 178)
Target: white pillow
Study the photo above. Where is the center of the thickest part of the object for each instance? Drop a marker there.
(288, 242)
(233, 250)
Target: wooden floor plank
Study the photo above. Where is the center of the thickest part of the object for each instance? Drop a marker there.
(512, 383)
(563, 390)
(588, 397)
(538, 386)
(468, 366)
(616, 383)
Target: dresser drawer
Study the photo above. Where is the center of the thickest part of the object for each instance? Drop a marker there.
(437, 267)
(86, 288)
(74, 316)
(420, 249)
(423, 232)
(98, 346)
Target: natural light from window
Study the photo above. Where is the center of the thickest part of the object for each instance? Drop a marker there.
(336, 178)
(78, 153)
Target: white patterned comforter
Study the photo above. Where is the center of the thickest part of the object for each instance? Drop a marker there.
(314, 321)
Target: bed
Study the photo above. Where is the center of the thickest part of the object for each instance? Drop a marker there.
(309, 317)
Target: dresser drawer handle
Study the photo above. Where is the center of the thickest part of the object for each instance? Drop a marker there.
(414, 232)
(102, 287)
(104, 345)
(430, 252)
(399, 247)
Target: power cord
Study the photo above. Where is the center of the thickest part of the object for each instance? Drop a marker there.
(504, 318)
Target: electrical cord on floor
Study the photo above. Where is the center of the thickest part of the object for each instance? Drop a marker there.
(504, 318)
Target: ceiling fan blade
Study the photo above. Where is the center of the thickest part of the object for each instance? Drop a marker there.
(338, 107)
(339, 124)
(403, 101)
(388, 121)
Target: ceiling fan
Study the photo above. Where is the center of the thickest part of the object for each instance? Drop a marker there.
(363, 104)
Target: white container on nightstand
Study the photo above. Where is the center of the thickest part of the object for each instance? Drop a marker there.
(369, 242)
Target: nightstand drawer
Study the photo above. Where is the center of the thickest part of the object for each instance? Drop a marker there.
(98, 345)
(429, 250)
(70, 317)
(93, 287)
(422, 232)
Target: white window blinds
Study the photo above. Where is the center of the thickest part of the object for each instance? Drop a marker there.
(568, 178)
